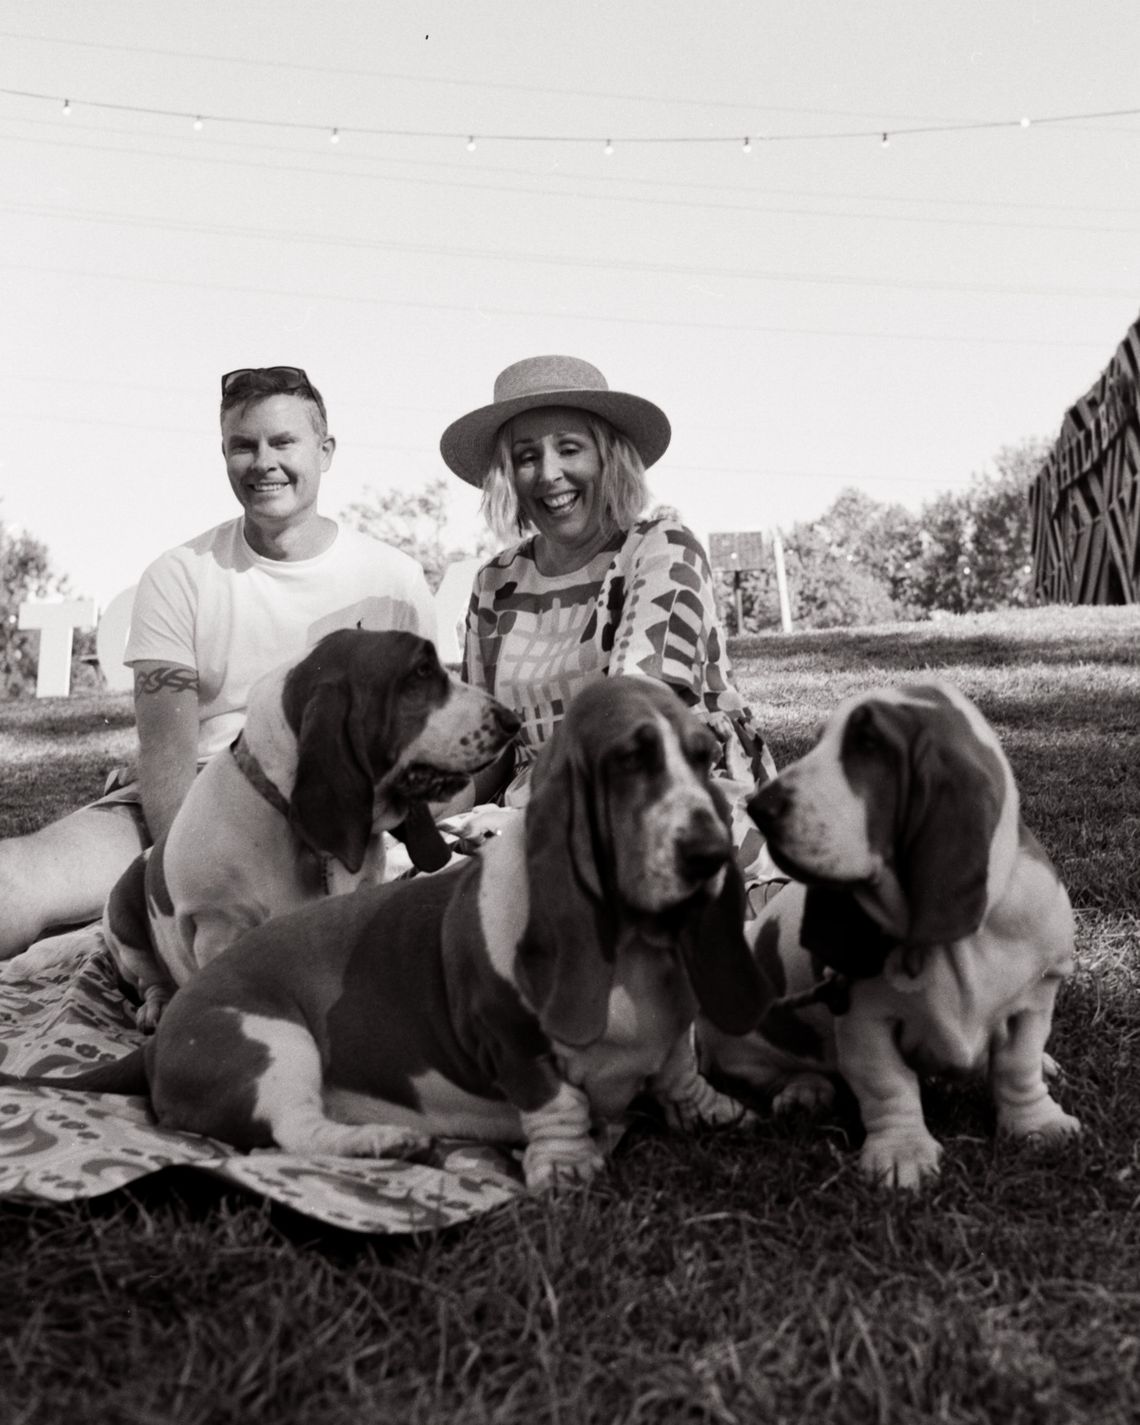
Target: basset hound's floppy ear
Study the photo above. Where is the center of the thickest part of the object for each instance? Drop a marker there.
(331, 806)
(730, 987)
(419, 833)
(732, 990)
(948, 822)
(566, 956)
(934, 794)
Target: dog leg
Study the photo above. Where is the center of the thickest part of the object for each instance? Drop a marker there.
(899, 1150)
(1025, 1108)
(289, 1098)
(690, 1100)
(51, 956)
(559, 1148)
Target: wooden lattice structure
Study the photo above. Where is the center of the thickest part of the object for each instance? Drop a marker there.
(1085, 501)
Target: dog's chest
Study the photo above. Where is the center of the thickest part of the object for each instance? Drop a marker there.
(950, 1013)
(650, 1006)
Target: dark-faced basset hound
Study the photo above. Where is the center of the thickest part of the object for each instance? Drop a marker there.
(347, 742)
(940, 917)
(526, 995)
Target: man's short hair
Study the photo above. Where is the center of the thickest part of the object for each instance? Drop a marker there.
(257, 385)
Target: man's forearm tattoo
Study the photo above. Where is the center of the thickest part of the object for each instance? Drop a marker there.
(166, 680)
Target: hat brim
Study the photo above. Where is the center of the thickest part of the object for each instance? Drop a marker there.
(468, 444)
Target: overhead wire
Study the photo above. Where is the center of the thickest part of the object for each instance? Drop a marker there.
(528, 313)
(704, 205)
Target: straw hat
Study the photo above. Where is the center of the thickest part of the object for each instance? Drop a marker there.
(468, 444)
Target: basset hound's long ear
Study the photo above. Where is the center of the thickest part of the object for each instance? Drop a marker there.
(566, 956)
(331, 806)
(730, 987)
(949, 819)
(732, 990)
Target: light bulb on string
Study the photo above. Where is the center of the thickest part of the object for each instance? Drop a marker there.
(747, 145)
(67, 108)
(1025, 121)
(471, 144)
(197, 125)
(885, 141)
(609, 148)
(334, 137)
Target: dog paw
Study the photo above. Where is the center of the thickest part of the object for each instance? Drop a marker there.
(549, 1166)
(1044, 1121)
(811, 1093)
(707, 1109)
(365, 1140)
(900, 1160)
(150, 1011)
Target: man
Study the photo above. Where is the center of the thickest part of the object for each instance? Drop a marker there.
(210, 617)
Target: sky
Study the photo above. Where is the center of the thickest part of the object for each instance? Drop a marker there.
(824, 311)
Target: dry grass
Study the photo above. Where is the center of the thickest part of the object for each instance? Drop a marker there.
(717, 1278)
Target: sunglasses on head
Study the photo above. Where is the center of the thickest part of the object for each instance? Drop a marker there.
(266, 378)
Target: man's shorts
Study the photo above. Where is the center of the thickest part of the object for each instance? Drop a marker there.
(121, 796)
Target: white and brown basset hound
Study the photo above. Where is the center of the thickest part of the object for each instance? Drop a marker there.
(526, 995)
(937, 920)
(339, 746)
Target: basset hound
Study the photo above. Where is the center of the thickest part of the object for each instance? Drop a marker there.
(932, 923)
(526, 995)
(347, 742)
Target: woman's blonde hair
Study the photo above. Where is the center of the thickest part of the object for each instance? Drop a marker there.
(622, 484)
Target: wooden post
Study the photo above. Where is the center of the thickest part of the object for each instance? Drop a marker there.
(737, 597)
(782, 582)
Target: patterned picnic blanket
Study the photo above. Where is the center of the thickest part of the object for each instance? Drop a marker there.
(56, 1145)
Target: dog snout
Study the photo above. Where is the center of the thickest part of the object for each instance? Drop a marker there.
(507, 721)
(702, 848)
(770, 805)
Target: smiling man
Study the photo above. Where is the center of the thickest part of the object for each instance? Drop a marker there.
(210, 617)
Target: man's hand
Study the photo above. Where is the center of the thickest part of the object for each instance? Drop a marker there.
(166, 714)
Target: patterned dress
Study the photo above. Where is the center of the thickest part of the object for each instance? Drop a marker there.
(643, 605)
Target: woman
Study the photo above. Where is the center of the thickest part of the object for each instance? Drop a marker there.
(594, 587)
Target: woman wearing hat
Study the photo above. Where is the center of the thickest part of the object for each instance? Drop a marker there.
(590, 585)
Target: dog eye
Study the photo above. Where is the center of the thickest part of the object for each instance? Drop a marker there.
(641, 754)
(629, 759)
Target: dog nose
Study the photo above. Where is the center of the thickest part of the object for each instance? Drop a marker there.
(702, 850)
(769, 805)
(509, 722)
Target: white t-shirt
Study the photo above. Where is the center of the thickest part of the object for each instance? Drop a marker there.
(215, 605)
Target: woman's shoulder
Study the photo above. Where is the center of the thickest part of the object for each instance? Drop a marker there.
(516, 561)
(666, 535)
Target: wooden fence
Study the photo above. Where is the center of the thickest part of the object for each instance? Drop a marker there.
(1085, 501)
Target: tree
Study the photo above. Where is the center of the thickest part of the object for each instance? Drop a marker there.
(827, 588)
(883, 540)
(416, 522)
(977, 542)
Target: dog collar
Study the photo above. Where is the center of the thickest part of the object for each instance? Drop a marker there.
(255, 774)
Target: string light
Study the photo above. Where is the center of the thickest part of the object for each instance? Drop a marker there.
(334, 137)
(197, 126)
(815, 136)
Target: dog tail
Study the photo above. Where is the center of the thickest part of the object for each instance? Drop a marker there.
(127, 1075)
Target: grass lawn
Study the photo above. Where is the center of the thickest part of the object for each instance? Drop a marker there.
(750, 1278)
